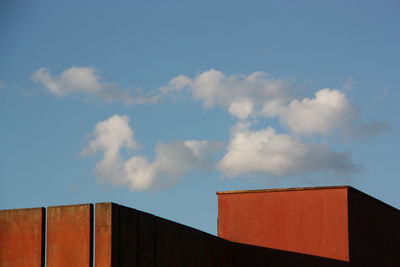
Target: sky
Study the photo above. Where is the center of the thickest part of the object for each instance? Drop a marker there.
(157, 105)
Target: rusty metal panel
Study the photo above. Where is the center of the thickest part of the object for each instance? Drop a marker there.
(147, 240)
(70, 236)
(313, 222)
(128, 231)
(22, 237)
(204, 248)
(116, 235)
(374, 231)
(224, 257)
(247, 255)
(169, 244)
(106, 235)
(180, 245)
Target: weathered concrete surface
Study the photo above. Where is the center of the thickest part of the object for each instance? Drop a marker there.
(310, 221)
(70, 236)
(22, 237)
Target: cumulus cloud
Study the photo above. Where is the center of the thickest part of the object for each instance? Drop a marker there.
(176, 84)
(246, 97)
(329, 110)
(266, 152)
(86, 81)
(241, 95)
(170, 163)
(259, 95)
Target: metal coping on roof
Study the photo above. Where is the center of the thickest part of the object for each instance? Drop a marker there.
(282, 189)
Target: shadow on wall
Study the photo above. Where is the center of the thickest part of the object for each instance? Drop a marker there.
(125, 237)
(128, 237)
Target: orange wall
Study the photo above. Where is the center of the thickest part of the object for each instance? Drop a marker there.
(104, 245)
(313, 222)
(21, 237)
(69, 236)
(128, 237)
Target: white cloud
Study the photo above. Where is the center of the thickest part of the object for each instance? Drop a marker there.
(111, 135)
(329, 110)
(255, 95)
(266, 152)
(86, 81)
(247, 97)
(176, 84)
(170, 163)
(241, 95)
(241, 109)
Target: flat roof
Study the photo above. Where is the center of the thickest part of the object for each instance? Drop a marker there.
(283, 189)
(308, 188)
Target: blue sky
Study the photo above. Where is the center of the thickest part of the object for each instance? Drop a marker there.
(158, 105)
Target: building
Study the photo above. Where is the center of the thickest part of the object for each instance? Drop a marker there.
(320, 226)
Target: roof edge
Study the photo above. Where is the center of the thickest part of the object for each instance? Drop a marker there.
(348, 187)
(374, 199)
(283, 189)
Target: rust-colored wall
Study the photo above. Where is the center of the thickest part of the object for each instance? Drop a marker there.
(374, 231)
(128, 237)
(69, 236)
(116, 242)
(106, 244)
(334, 223)
(313, 222)
(22, 237)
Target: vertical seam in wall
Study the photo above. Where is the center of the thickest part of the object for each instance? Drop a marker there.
(91, 222)
(115, 218)
(137, 238)
(155, 241)
(348, 222)
(44, 229)
(120, 208)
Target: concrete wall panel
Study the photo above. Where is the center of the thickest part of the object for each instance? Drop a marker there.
(69, 236)
(22, 237)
